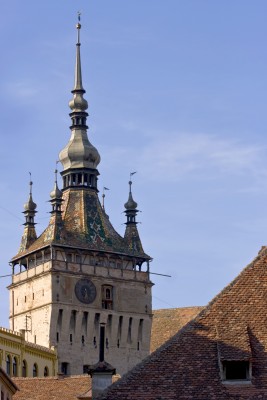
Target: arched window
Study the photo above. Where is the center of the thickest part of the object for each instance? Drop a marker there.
(24, 369)
(35, 370)
(46, 371)
(8, 364)
(15, 367)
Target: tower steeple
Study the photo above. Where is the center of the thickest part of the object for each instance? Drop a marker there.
(131, 235)
(29, 234)
(79, 157)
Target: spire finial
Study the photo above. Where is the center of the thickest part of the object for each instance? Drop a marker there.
(56, 171)
(78, 26)
(30, 183)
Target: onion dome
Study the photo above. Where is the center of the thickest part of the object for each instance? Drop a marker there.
(130, 204)
(30, 205)
(56, 192)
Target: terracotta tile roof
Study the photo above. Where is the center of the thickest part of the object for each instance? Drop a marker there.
(52, 388)
(167, 322)
(85, 225)
(233, 326)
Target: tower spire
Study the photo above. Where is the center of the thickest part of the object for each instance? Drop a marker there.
(79, 157)
(78, 70)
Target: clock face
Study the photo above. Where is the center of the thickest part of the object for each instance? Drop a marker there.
(85, 291)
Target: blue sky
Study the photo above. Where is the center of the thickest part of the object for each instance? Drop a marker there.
(177, 91)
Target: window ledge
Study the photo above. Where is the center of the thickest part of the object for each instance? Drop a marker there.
(237, 382)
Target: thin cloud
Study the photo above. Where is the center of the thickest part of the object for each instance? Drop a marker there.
(178, 157)
(183, 156)
(22, 90)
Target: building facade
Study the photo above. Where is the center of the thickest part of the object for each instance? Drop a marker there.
(80, 273)
(19, 358)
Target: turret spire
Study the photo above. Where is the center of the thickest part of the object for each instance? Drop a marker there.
(131, 205)
(30, 207)
(29, 235)
(56, 197)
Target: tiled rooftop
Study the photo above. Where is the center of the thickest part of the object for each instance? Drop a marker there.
(188, 366)
(52, 388)
(167, 322)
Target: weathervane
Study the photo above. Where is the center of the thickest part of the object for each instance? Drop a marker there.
(103, 197)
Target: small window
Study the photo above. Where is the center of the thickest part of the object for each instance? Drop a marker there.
(65, 368)
(35, 370)
(129, 337)
(8, 364)
(46, 371)
(78, 259)
(57, 336)
(24, 369)
(15, 367)
(69, 257)
(236, 370)
(85, 369)
(107, 297)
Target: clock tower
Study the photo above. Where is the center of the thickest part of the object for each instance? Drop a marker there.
(80, 273)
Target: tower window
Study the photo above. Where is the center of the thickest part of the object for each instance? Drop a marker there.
(129, 337)
(46, 371)
(57, 336)
(85, 322)
(107, 297)
(85, 369)
(236, 370)
(73, 320)
(71, 338)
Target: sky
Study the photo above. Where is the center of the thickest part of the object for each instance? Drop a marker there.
(177, 91)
